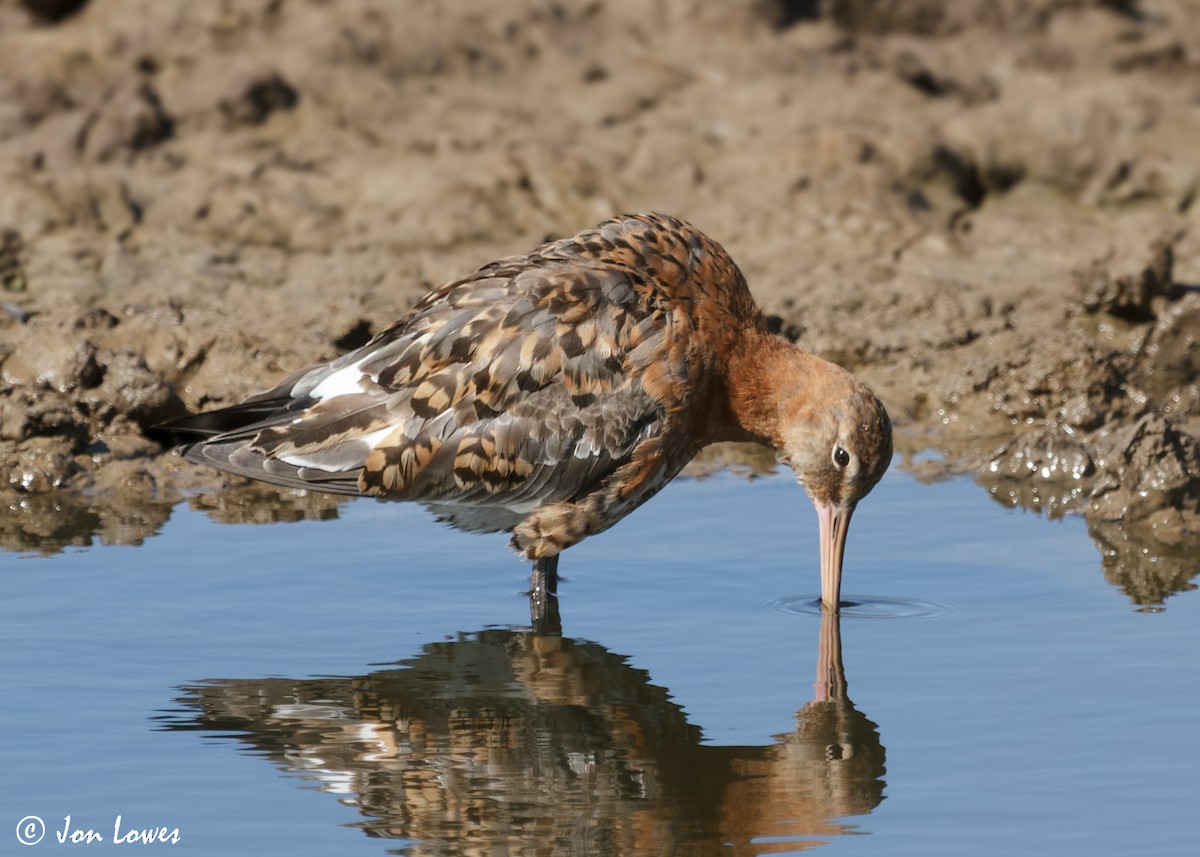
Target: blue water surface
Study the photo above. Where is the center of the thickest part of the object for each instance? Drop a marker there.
(1033, 710)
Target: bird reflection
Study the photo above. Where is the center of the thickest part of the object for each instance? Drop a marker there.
(517, 742)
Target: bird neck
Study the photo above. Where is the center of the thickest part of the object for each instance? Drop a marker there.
(767, 379)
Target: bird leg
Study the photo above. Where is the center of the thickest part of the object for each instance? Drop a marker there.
(543, 596)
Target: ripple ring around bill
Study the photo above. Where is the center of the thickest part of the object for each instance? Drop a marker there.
(863, 607)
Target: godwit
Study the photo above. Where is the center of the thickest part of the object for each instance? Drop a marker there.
(549, 395)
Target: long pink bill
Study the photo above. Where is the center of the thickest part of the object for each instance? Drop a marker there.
(835, 523)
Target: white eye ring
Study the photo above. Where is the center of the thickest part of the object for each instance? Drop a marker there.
(841, 458)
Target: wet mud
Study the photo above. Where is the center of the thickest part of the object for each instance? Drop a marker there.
(986, 209)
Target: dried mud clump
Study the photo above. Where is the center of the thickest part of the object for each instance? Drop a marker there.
(1130, 296)
(79, 455)
(68, 404)
(1115, 414)
(1104, 417)
(1150, 475)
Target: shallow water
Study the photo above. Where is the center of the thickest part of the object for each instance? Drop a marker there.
(369, 685)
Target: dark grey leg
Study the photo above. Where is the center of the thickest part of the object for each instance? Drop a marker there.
(545, 576)
(543, 596)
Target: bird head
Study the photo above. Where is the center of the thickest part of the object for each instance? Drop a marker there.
(838, 442)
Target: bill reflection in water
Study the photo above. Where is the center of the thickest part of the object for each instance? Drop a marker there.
(518, 739)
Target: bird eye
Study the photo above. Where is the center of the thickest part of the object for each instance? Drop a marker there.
(840, 457)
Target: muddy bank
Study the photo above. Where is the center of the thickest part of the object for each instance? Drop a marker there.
(986, 209)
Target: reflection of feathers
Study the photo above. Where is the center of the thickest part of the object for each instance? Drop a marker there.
(547, 380)
(503, 740)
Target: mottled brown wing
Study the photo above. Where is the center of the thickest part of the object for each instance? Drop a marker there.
(519, 386)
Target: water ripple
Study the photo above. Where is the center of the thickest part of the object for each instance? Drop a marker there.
(863, 607)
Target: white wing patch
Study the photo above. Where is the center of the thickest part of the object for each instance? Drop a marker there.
(346, 381)
(584, 448)
(351, 454)
(372, 440)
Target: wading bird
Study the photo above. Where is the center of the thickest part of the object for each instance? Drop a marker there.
(551, 394)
